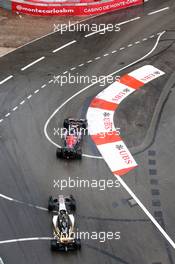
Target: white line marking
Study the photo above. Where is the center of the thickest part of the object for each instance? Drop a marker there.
(72, 69)
(32, 63)
(23, 203)
(15, 108)
(43, 86)
(130, 45)
(114, 51)
(105, 55)
(6, 79)
(89, 61)
(1, 120)
(158, 33)
(137, 42)
(144, 39)
(22, 102)
(152, 36)
(97, 58)
(128, 21)
(121, 23)
(25, 239)
(80, 65)
(122, 48)
(6, 197)
(39, 207)
(63, 73)
(158, 11)
(36, 91)
(153, 220)
(1, 261)
(64, 46)
(89, 86)
(28, 97)
(50, 81)
(8, 114)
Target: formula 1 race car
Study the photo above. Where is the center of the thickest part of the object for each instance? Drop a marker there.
(63, 222)
(74, 131)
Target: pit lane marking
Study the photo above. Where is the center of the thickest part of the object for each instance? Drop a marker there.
(91, 85)
(32, 63)
(158, 11)
(6, 79)
(15, 108)
(22, 102)
(119, 24)
(64, 46)
(30, 96)
(80, 65)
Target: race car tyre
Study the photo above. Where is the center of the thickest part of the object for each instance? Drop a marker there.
(84, 125)
(79, 154)
(72, 204)
(59, 153)
(66, 123)
(53, 245)
(78, 243)
(50, 204)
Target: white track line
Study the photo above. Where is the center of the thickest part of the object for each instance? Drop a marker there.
(6, 197)
(22, 102)
(119, 24)
(153, 220)
(36, 91)
(89, 86)
(128, 21)
(32, 63)
(7, 115)
(25, 239)
(15, 108)
(29, 96)
(23, 203)
(158, 11)
(1, 261)
(6, 79)
(64, 46)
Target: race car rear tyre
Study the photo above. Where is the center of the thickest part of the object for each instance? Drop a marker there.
(79, 154)
(66, 124)
(53, 245)
(73, 206)
(50, 204)
(78, 243)
(59, 153)
(84, 125)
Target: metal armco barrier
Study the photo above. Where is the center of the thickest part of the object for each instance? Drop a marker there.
(69, 9)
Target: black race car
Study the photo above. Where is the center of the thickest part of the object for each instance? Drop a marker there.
(74, 131)
(63, 222)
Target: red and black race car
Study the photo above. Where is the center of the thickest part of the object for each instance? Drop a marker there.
(75, 129)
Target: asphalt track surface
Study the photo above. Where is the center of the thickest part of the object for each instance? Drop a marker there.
(27, 159)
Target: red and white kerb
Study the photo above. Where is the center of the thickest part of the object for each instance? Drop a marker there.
(100, 118)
